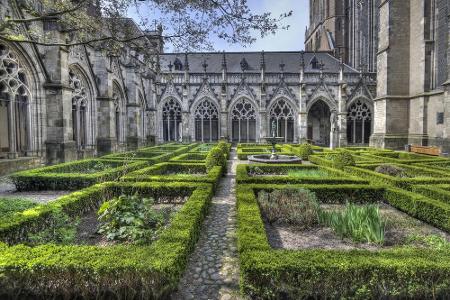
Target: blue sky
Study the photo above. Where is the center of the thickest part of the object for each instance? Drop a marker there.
(291, 39)
(285, 40)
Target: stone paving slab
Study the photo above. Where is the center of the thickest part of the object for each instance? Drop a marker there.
(213, 268)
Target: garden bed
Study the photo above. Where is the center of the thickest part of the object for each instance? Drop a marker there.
(401, 230)
(177, 172)
(406, 272)
(72, 175)
(117, 271)
(290, 173)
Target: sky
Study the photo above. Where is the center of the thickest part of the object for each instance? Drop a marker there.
(284, 40)
(291, 39)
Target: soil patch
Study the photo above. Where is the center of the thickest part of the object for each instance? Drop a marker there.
(400, 230)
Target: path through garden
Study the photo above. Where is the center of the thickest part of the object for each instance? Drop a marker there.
(213, 268)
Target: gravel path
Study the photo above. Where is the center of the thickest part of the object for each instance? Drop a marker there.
(213, 268)
(8, 190)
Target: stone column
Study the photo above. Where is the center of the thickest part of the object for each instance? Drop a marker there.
(106, 139)
(342, 116)
(11, 130)
(133, 108)
(60, 146)
(185, 123)
(302, 116)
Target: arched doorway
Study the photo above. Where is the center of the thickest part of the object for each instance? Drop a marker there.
(359, 123)
(282, 114)
(171, 120)
(243, 121)
(14, 105)
(319, 125)
(206, 121)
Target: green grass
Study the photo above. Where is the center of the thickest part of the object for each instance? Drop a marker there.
(312, 173)
(359, 223)
(10, 206)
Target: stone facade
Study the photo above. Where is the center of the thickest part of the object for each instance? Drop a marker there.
(62, 103)
(412, 103)
(345, 28)
(240, 96)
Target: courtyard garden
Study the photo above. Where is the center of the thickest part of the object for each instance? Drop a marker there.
(200, 221)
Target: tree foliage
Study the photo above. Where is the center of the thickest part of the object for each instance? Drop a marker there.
(186, 24)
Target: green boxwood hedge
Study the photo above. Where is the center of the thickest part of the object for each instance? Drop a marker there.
(282, 177)
(178, 173)
(425, 175)
(190, 157)
(65, 177)
(115, 272)
(358, 274)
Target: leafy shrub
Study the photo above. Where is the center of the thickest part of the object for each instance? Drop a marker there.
(360, 223)
(341, 159)
(216, 157)
(291, 206)
(391, 170)
(305, 150)
(62, 230)
(130, 219)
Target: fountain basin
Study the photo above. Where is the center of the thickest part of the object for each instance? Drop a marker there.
(278, 159)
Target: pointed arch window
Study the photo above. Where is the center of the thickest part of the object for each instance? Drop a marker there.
(171, 120)
(206, 122)
(80, 99)
(14, 105)
(243, 121)
(359, 123)
(283, 115)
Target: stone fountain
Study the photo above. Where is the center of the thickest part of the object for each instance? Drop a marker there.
(274, 158)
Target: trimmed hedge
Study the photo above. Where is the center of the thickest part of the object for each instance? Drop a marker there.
(439, 192)
(182, 173)
(359, 274)
(190, 157)
(434, 176)
(121, 272)
(334, 177)
(60, 177)
(403, 157)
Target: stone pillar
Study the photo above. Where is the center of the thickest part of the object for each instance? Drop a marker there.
(186, 126)
(391, 123)
(106, 138)
(302, 117)
(133, 109)
(60, 146)
(342, 116)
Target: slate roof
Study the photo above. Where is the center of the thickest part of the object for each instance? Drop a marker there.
(291, 61)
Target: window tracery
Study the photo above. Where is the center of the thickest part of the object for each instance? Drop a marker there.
(206, 121)
(359, 121)
(243, 116)
(283, 115)
(14, 104)
(171, 119)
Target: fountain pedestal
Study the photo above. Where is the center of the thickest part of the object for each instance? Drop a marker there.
(274, 158)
